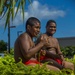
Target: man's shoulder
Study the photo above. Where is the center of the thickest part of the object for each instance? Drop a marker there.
(55, 39)
(23, 36)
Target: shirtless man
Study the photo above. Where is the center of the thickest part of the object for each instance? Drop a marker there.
(25, 48)
(52, 52)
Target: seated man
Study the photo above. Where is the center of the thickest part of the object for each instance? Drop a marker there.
(25, 48)
(52, 52)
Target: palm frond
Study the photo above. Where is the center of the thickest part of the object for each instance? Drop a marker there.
(10, 5)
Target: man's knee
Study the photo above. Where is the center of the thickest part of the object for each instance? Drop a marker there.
(52, 68)
(69, 65)
(72, 66)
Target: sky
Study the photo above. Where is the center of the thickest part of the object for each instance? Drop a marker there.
(62, 11)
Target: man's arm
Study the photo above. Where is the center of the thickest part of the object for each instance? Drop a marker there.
(51, 55)
(59, 51)
(26, 48)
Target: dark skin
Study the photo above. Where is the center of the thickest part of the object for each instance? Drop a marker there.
(25, 48)
(53, 49)
(25, 44)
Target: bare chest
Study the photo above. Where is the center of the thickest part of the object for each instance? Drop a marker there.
(32, 44)
(52, 42)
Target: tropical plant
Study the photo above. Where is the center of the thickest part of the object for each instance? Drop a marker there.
(7, 7)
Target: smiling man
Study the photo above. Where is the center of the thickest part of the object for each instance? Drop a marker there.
(51, 53)
(24, 47)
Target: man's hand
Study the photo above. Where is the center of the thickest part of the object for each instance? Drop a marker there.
(44, 40)
(43, 52)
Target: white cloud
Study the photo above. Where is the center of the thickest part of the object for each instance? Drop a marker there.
(43, 11)
(37, 10)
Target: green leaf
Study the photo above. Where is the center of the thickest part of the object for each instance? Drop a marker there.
(18, 6)
(13, 8)
(22, 5)
(8, 18)
(1, 6)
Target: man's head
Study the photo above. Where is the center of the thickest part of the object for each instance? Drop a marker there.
(51, 27)
(33, 26)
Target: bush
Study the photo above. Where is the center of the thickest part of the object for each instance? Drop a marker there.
(68, 51)
(3, 46)
(9, 67)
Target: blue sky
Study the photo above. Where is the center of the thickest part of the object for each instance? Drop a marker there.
(62, 11)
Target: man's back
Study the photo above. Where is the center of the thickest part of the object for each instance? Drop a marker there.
(18, 48)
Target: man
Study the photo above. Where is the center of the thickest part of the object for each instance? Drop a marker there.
(52, 52)
(25, 49)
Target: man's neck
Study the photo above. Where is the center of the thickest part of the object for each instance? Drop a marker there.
(49, 34)
(29, 34)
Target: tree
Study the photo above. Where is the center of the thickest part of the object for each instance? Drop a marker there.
(3, 46)
(7, 7)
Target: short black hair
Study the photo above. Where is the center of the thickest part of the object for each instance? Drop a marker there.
(50, 21)
(32, 21)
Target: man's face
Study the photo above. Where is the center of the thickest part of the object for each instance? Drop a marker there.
(51, 28)
(34, 30)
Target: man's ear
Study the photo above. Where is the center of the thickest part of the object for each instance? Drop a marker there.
(28, 27)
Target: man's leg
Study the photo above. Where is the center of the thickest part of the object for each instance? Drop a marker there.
(53, 63)
(69, 65)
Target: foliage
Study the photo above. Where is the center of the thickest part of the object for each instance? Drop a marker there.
(3, 46)
(9, 67)
(7, 8)
(68, 51)
(71, 60)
